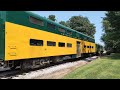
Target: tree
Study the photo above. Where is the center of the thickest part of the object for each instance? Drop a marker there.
(64, 23)
(52, 17)
(82, 24)
(111, 29)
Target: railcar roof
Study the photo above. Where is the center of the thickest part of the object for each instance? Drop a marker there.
(50, 21)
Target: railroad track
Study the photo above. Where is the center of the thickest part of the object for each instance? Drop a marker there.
(9, 74)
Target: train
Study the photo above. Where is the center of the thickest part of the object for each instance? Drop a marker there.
(30, 41)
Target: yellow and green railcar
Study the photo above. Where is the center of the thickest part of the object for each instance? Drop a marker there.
(29, 40)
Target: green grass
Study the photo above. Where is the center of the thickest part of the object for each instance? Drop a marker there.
(107, 67)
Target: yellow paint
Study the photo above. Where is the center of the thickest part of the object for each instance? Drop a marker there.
(17, 43)
(89, 50)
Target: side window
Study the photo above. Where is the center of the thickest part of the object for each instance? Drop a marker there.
(50, 43)
(69, 32)
(34, 42)
(92, 46)
(61, 30)
(50, 26)
(87, 46)
(61, 44)
(36, 21)
(69, 45)
(84, 46)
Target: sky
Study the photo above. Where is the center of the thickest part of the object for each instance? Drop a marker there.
(95, 17)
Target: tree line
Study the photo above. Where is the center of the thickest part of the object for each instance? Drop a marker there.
(79, 23)
(111, 29)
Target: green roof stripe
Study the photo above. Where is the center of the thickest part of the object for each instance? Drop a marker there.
(22, 18)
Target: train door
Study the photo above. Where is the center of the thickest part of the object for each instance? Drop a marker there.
(78, 49)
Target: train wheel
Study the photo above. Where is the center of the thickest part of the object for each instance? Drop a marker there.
(57, 59)
(25, 65)
(13, 68)
(13, 65)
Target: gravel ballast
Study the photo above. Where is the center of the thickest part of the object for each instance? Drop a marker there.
(53, 72)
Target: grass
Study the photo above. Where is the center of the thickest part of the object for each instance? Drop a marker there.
(107, 67)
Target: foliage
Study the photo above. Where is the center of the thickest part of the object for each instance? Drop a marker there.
(111, 28)
(52, 17)
(81, 24)
(64, 23)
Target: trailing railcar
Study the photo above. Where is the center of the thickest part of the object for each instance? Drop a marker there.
(29, 41)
